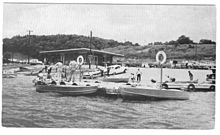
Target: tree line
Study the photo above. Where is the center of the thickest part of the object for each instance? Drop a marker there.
(56, 42)
(183, 40)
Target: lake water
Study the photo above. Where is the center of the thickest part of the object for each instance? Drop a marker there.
(22, 106)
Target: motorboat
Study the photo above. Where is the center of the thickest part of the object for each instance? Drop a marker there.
(136, 92)
(116, 79)
(69, 90)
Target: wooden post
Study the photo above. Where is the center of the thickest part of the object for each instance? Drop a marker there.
(80, 75)
(161, 76)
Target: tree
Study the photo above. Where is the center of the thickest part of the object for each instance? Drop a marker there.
(184, 40)
(150, 43)
(206, 41)
(158, 43)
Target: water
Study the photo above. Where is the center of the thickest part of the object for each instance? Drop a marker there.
(22, 106)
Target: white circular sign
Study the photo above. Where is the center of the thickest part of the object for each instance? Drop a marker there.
(80, 60)
(164, 57)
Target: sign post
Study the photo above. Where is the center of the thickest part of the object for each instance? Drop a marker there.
(161, 66)
(80, 61)
(90, 60)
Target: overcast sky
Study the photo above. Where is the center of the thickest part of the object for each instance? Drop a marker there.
(136, 23)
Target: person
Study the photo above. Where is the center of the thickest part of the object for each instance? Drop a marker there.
(108, 71)
(132, 78)
(187, 64)
(139, 73)
(72, 67)
(49, 70)
(190, 76)
(171, 79)
(101, 71)
(59, 67)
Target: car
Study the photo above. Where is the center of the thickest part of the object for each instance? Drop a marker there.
(100, 71)
(117, 69)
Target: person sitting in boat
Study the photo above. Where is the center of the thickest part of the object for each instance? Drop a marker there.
(190, 76)
(170, 79)
(40, 77)
(132, 78)
(72, 67)
(139, 73)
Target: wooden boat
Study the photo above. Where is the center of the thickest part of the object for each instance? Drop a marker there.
(149, 93)
(115, 79)
(70, 90)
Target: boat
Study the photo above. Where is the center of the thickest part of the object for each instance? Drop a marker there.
(193, 81)
(151, 93)
(178, 84)
(8, 74)
(211, 77)
(115, 79)
(70, 90)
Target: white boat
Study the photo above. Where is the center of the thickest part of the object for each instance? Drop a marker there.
(115, 79)
(150, 93)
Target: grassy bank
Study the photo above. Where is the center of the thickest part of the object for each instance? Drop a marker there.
(184, 51)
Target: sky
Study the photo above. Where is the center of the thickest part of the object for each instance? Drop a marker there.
(136, 23)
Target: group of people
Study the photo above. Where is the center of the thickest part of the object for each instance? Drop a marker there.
(63, 73)
(137, 77)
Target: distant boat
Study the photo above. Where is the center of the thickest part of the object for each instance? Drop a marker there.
(148, 93)
(70, 90)
(8, 74)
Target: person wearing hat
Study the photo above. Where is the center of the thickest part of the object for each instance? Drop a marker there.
(72, 67)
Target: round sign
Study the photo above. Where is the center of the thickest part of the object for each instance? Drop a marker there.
(59, 64)
(80, 60)
(159, 54)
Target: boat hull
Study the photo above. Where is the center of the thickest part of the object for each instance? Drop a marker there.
(116, 80)
(152, 94)
(67, 90)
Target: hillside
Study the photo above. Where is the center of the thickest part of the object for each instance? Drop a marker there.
(32, 47)
(38, 43)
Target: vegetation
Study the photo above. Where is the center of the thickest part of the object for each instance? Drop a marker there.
(182, 47)
(183, 40)
(56, 42)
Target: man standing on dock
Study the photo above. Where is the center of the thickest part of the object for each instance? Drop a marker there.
(190, 76)
(139, 73)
